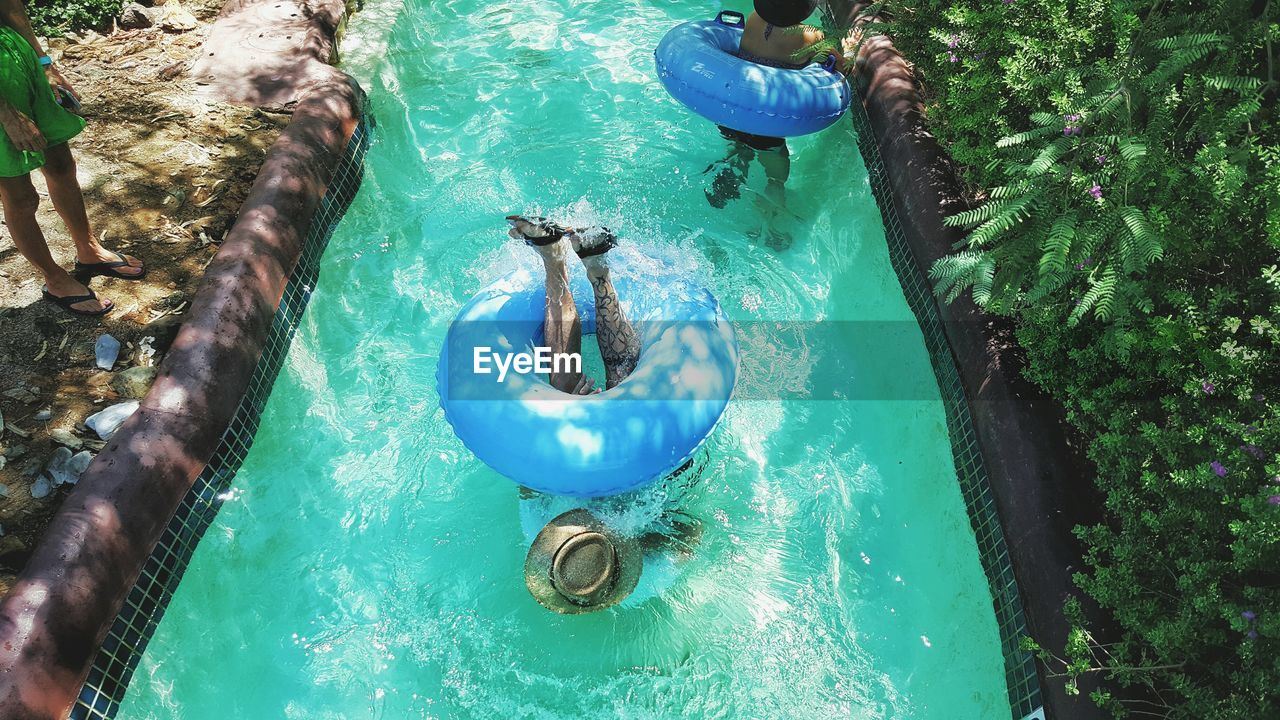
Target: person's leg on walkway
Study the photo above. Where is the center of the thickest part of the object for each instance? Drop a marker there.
(68, 200)
(20, 201)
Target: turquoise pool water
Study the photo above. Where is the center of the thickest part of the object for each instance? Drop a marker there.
(365, 565)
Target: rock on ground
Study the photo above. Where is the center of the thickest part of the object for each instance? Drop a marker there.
(106, 423)
(134, 382)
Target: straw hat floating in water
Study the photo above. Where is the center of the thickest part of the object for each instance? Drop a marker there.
(577, 564)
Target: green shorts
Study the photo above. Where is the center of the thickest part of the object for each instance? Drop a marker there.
(23, 85)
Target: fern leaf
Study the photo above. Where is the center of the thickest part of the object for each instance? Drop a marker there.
(1107, 103)
(1131, 150)
(980, 214)
(1099, 298)
(1044, 119)
(954, 273)
(1048, 156)
(983, 279)
(1189, 41)
(1012, 190)
(1237, 84)
(1022, 137)
(1171, 66)
(1010, 215)
(1104, 304)
(1147, 244)
(1045, 286)
(1057, 245)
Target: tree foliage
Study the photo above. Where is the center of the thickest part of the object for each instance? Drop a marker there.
(1126, 161)
(55, 17)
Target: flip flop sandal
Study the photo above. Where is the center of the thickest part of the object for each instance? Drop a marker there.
(88, 270)
(554, 231)
(607, 242)
(66, 302)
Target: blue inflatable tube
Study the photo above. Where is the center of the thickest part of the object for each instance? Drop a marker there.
(595, 445)
(698, 64)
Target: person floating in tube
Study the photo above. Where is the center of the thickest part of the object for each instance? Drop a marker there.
(775, 36)
(577, 563)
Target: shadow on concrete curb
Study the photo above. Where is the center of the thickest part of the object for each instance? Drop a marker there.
(60, 609)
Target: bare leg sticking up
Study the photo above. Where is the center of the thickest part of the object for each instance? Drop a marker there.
(619, 343)
(563, 326)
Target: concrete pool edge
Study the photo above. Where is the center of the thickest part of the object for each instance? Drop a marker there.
(96, 552)
(1027, 472)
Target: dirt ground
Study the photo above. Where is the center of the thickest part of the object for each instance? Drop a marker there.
(164, 173)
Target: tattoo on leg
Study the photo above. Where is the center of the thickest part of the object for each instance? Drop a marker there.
(619, 343)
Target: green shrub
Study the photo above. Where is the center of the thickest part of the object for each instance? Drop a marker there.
(1127, 160)
(55, 17)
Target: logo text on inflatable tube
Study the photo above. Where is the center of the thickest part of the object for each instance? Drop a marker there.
(541, 361)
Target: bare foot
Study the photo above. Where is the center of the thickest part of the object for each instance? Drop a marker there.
(63, 285)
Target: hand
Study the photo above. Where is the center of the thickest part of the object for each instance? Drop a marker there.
(836, 59)
(586, 386)
(22, 132)
(57, 81)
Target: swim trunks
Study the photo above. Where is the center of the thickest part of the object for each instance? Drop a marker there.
(23, 85)
(755, 142)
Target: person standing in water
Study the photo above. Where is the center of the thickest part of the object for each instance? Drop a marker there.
(774, 36)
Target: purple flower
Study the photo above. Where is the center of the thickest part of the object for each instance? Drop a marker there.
(1252, 634)
(1249, 615)
(1207, 387)
(1255, 451)
(951, 57)
(1009, 2)
(1101, 159)
(1071, 118)
(954, 42)
(1273, 500)
(1276, 480)
(1218, 468)
(1096, 191)
(1259, 397)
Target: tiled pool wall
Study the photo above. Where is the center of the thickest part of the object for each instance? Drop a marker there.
(145, 605)
(116, 662)
(1019, 665)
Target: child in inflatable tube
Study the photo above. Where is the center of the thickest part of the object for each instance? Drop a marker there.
(775, 36)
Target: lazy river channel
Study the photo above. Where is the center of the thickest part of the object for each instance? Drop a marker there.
(366, 565)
